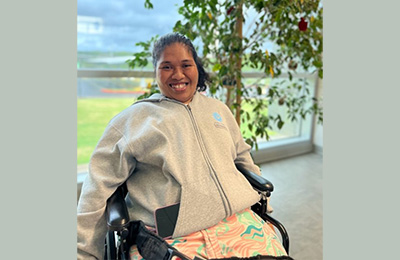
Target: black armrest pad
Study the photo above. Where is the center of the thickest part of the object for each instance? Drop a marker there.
(258, 182)
(117, 215)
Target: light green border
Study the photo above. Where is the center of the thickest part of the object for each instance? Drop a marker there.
(361, 157)
(38, 129)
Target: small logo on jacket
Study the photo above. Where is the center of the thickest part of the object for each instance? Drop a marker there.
(217, 117)
(219, 123)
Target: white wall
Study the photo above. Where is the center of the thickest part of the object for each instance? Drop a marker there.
(318, 128)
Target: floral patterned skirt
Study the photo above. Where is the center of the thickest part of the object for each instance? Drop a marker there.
(243, 234)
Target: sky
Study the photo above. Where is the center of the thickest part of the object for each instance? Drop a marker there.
(116, 25)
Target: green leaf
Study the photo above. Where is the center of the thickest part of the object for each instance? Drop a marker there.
(216, 67)
(290, 76)
(148, 4)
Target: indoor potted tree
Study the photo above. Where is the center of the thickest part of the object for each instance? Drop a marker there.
(294, 27)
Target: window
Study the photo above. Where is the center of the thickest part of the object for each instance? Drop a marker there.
(107, 33)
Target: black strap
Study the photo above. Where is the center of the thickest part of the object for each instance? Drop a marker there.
(150, 245)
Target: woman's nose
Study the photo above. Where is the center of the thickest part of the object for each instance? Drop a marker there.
(178, 74)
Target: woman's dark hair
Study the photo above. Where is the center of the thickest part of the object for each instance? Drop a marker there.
(171, 38)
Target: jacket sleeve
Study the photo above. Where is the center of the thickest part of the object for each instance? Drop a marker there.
(244, 156)
(110, 165)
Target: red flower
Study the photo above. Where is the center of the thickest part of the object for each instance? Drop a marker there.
(229, 11)
(302, 24)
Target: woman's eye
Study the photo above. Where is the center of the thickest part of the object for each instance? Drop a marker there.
(166, 67)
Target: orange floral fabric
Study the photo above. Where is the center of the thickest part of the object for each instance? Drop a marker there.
(243, 234)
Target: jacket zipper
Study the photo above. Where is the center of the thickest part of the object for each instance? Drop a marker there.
(227, 206)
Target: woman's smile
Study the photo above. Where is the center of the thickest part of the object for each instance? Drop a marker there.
(179, 86)
(176, 73)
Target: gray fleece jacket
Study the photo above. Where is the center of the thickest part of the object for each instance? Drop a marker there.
(167, 152)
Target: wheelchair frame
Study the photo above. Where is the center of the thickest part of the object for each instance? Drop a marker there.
(117, 216)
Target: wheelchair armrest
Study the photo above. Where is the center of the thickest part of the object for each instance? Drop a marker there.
(258, 182)
(117, 215)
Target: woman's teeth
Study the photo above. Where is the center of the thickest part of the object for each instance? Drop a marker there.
(178, 86)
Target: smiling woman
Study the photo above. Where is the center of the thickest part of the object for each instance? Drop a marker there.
(176, 73)
(177, 146)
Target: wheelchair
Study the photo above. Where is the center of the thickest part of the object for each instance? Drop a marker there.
(121, 231)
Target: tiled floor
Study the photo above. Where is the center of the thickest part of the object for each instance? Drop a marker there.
(297, 202)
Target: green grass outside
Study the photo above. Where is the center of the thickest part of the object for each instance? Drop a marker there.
(94, 115)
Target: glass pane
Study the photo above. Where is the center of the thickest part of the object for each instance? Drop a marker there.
(107, 34)
(109, 30)
(100, 99)
(292, 128)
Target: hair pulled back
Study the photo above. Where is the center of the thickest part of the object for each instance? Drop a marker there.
(175, 37)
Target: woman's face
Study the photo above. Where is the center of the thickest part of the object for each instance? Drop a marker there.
(176, 73)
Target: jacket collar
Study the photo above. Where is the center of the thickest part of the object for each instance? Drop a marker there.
(160, 97)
